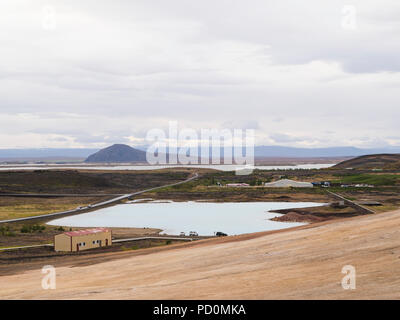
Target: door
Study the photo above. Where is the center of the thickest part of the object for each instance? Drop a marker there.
(106, 242)
(77, 247)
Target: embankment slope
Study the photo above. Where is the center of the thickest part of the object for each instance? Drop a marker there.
(304, 263)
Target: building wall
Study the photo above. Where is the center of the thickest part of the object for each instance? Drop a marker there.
(63, 242)
(88, 241)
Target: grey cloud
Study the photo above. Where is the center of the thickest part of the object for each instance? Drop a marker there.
(244, 124)
(112, 70)
(283, 138)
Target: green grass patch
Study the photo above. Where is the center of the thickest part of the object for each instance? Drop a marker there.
(373, 179)
(32, 228)
(5, 231)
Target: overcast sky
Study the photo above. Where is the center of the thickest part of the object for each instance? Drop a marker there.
(302, 73)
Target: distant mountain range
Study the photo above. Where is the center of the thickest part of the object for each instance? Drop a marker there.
(278, 151)
(46, 153)
(260, 152)
(292, 152)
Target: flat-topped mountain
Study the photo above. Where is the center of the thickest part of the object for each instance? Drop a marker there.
(373, 161)
(117, 153)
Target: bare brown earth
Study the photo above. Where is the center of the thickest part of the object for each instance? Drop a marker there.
(87, 182)
(301, 263)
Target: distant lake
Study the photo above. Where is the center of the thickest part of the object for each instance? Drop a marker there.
(175, 217)
(221, 167)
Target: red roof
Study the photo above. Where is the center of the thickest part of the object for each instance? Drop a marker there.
(86, 232)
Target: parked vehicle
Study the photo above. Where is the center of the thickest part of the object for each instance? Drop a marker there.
(220, 234)
(193, 234)
(182, 234)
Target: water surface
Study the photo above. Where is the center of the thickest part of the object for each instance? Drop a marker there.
(175, 217)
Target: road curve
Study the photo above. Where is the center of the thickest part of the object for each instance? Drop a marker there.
(100, 204)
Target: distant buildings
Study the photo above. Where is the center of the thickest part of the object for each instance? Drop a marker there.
(361, 185)
(283, 183)
(287, 183)
(237, 185)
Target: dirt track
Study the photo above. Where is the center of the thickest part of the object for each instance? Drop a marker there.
(291, 264)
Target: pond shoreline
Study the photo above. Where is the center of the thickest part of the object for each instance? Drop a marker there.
(205, 218)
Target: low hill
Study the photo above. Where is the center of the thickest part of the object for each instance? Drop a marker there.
(374, 161)
(117, 153)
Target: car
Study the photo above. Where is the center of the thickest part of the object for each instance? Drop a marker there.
(193, 234)
(182, 234)
(220, 234)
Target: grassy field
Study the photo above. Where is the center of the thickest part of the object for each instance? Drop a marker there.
(207, 184)
(231, 194)
(16, 207)
(86, 182)
(386, 192)
(375, 179)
